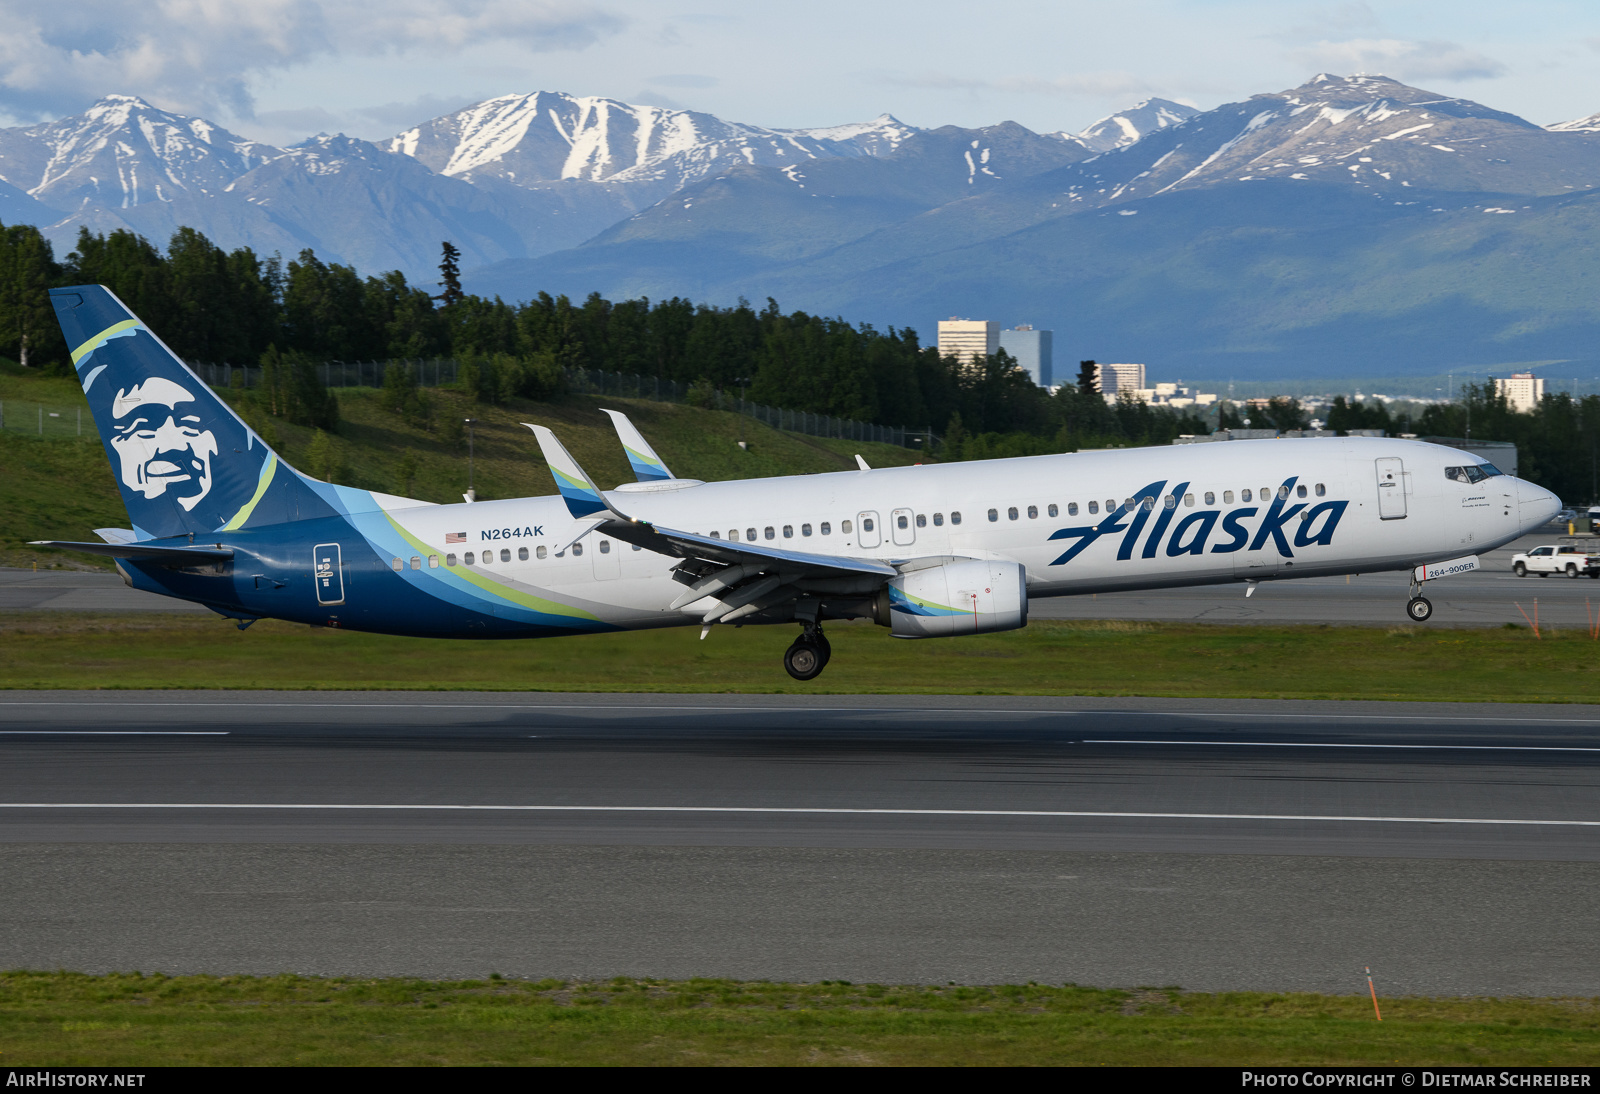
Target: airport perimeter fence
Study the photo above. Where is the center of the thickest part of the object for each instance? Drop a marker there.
(439, 371)
(42, 419)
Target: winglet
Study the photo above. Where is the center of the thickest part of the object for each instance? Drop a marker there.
(861, 463)
(647, 466)
(583, 498)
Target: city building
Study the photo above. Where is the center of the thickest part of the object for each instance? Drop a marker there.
(1030, 347)
(1522, 391)
(1114, 379)
(968, 339)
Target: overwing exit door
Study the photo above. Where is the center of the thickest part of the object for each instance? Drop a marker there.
(1391, 488)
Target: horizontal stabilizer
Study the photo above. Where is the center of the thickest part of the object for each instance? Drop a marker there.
(172, 556)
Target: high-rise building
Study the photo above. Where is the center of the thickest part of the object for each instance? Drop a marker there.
(968, 339)
(1522, 391)
(1118, 378)
(1032, 350)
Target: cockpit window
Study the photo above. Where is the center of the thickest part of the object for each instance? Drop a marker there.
(1473, 472)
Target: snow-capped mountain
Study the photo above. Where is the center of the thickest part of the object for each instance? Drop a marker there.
(123, 152)
(1591, 124)
(1368, 132)
(1129, 126)
(546, 136)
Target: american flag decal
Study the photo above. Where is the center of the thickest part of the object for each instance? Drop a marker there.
(455, 537)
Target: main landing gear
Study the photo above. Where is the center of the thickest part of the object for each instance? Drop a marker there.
(809, 655)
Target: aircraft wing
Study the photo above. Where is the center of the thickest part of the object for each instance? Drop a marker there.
(647, 466)
(745, 577)
(172, 556)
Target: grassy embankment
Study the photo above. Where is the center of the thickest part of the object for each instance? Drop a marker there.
(131, 1021)
(65, 650)
(61, 487)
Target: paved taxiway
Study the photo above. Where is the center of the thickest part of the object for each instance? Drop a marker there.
(1487, 598)
(1213, 844)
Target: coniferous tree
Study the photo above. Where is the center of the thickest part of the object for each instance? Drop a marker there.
(450, 275)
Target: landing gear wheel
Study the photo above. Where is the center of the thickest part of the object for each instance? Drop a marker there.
(1419, 609)
(827, 650)
(805, 659)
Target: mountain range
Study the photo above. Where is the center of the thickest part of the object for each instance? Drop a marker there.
(1352, 225)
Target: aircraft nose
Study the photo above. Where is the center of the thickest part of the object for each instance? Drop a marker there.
(1535, 505)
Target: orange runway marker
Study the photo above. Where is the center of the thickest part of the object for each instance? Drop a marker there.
(1374, 992)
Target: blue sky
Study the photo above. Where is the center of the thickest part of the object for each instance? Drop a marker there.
(280, 70)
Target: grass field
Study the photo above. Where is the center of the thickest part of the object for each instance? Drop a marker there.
(132, 1020)
(64, 650)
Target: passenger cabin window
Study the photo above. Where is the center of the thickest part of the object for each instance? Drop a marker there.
(1170, 501)
(1264, 493)
(714, 535)
(805, 529)
(922, 520)
(1094, 507)
(450, 559)
(577, 548)
(1321, 490)
(825, 528)
(1283, 492)
(994, 514)
(955, 517)
(901, 521)
(867, 524)
(1053, 511)
(471, 558)
(788, 531)
(541, 551)
(1244, 495)
(750, 535)
(1033, 512)
(1150, 503)
(1188, 501)
(1227, 497)
(605, 546)
(505, 554)
(1211, 498)
(844, 528)
(416, 562)
(938, 520)
(1012, 513)
(1300, 491)
(433, 562)
(1072, 509)
(1111, 503)
(522, 554)
(397, 565)
(769, 533)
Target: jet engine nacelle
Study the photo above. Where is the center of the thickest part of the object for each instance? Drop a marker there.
(971, 597)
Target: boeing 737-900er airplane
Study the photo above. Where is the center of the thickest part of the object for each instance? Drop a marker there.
(926, 551)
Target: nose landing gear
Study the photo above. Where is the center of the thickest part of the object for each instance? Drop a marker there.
(1419, 607)
(808, 656)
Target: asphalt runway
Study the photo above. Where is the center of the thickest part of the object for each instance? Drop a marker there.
(1489, 597)
(1210, 844)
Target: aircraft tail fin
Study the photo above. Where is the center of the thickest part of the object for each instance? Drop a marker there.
(183, 460)
(647, 466)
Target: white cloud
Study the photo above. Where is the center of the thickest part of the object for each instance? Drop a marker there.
(1404, 60)
(1098, 85)
(685, 79)
(201, 55)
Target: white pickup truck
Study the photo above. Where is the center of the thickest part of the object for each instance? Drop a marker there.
(1557, 558)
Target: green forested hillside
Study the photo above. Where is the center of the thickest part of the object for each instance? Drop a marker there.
(61, 487)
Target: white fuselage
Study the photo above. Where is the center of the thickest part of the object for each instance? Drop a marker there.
(1206, 520)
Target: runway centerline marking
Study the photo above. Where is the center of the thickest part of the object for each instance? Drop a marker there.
(1319, 744)
(813, 810)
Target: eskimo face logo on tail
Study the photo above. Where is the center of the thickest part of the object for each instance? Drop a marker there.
(160, 442)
